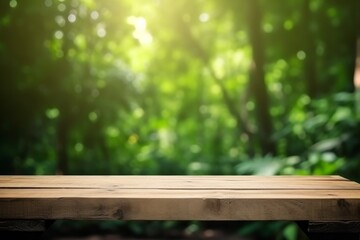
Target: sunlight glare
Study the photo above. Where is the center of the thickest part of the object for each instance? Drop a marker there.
(101, 31)
(72, 18)
(48, 3)
(93, 116)
(13, 3)
(59, 34)
(60, 20)
(204, 17)
(61, 7)
(94, 15)
(301, 55)
(140, 32)
(219, 67)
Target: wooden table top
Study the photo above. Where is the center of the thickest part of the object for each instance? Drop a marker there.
(323, 198)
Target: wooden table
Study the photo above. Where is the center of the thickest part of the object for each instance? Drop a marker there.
(324, 203)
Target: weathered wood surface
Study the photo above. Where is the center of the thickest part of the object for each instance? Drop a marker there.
(317, 198)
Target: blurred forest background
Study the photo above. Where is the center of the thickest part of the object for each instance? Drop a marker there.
(180, 87)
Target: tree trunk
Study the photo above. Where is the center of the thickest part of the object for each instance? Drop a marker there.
(357, 64)
(309, 48)
(257, 78)
(62, 142)
(64, 103)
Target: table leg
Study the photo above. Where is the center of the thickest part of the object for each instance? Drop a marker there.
(23, 229)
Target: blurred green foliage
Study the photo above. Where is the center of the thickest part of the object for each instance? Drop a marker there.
(179, 87)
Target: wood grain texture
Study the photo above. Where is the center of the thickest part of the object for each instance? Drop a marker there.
(179, 182)
(317, 198)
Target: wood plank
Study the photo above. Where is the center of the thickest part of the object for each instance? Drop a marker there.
(177, 182)
(176, 194)
(319, 198)
(180, 209)
(67, 178)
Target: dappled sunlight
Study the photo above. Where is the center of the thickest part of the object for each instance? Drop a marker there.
(170, 87)
(140, 31)
(204, 17)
